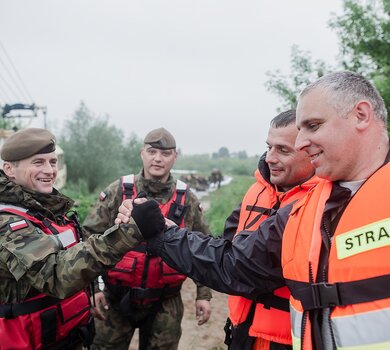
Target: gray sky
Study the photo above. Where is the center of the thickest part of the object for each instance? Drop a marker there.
(196, 67)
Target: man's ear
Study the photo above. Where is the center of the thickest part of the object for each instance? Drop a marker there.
(364, 114)
(8, 169)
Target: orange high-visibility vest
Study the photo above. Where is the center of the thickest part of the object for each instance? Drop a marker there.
(271, 319)
(356, 286)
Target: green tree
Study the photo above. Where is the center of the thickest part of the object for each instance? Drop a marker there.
(364, 33)
(223, 152)
(363, 30)
(132, 159)
(242, 155)
(94, 150)
(303, 70)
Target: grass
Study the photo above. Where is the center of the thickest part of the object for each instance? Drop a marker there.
(224, 200)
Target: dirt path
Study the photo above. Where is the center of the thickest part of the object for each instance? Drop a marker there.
(209, 336)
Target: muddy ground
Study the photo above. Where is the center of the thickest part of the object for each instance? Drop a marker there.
(209, 336)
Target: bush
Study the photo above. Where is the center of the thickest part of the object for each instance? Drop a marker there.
(84, 200)
(224, 200)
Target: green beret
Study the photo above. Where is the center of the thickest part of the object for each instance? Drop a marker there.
(27, 142)
(161, 139)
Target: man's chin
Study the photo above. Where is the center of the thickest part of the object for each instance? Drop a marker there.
(45, 189)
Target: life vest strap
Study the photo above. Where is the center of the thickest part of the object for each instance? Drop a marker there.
(129, 295)
(27, 307)
(140, 248)
(271, 300)
(324, 295)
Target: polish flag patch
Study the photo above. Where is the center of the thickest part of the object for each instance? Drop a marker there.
(17, 225)
(102, 196)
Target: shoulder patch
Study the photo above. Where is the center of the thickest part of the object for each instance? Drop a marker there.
(17, 225)
(102, 196)
(200, 208)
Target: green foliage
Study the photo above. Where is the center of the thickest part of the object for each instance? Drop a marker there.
(364, 33)
(303, 72)
(204, 164)
(224, 200)
(242, 155)
(84, 200)
(97, 152)
(223, 152)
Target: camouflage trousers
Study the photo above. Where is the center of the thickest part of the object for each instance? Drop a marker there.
(162, 333)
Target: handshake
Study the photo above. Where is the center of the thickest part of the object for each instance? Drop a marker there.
(146, 214)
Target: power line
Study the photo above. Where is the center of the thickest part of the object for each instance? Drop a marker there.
(4, 94)
(9, 87)
(16, 73)
(22, 94)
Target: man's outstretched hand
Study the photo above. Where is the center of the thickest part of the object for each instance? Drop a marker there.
(146, 214)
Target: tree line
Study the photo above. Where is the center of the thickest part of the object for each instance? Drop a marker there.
(97, 153)
(363, 30)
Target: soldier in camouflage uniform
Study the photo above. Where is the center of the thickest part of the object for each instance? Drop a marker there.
(36, 269)
(120, 314)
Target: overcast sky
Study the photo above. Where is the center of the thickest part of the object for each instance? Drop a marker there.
(195, 67)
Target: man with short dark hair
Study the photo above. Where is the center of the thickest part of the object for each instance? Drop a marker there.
(283, 176)
(142, 291)
(43, 265)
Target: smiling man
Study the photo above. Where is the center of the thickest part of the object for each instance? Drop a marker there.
(283, 176)
(44, 266)
(340, 297)
(142, 291)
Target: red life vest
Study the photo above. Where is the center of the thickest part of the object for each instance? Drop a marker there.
(43, 321)
(356, 287)
(271, 320)
(148, 277)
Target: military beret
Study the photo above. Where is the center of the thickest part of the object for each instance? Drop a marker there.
(27, 142)
(161, 139)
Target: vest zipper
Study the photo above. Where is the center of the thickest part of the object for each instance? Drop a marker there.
(306, 313)
(325, 279)
(145, 271)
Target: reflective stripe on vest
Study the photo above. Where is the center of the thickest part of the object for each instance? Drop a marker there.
(296, 327)
(42, 321)
(357, 264)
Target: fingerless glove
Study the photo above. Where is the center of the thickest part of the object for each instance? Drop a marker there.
(148, 218)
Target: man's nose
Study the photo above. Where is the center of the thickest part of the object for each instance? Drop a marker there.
(48, 168)
(301, 141)
(270, 157)
(157, 156)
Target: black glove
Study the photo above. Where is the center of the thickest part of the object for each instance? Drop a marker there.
(148, 218)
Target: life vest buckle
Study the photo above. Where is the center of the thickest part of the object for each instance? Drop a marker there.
(325, 295)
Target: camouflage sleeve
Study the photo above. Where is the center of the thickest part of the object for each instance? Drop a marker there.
(195, 220)
(32, 258)
(104, 212)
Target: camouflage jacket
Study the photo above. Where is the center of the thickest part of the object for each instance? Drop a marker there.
(32, 261)
(105, 210)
